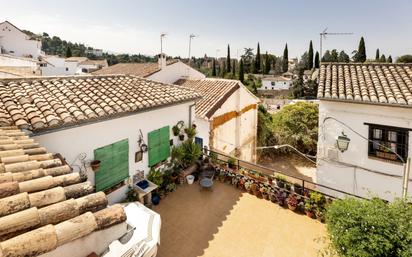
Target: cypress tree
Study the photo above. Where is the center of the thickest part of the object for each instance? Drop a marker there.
(68, 52)
(241, 71)
(267, 64)
(257, 59)
(389, 60)
(223, 70)
(383, 58)
(285, 62)
(234, 68)
(213, 67)
(317, 60)
(310, 56)
(361, 54)
(377, 55)
(228, 59)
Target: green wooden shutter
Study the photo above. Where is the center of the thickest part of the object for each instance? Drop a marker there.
(159, 148)
(114, 166)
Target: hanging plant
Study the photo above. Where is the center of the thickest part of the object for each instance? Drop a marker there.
(190, 132)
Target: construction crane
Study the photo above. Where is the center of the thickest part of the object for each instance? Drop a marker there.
(323, 35)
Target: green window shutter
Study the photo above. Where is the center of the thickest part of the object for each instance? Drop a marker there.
(114, 166)
(159, 148)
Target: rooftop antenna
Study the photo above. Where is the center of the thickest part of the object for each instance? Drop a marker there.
(190, 44)
(323, 36)
(162, 35)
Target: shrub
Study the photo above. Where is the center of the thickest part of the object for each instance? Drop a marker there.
(191, 152)
(370, 228)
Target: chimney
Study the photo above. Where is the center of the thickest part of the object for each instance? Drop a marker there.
(162, 61)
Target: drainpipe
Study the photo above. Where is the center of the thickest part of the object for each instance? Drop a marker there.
(190, 114)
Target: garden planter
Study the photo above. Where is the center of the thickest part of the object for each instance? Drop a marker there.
(95, 165)
(181, 137)
(309, 213)
(190, 179)
(292, 207)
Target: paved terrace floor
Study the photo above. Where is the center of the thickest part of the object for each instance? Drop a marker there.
(228, 223)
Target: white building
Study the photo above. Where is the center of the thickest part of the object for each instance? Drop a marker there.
(95, 52)
(14, 67)
(83, 65)
(109, 118)
(163, 71)
(275, 83)
(371, 104)
(226, 116)
(15, 42)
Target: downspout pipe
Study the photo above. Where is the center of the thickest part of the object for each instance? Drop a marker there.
(190, 114)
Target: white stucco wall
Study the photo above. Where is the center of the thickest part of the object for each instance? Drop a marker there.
(16, 43)
(357, 180)
(55, 66)
(172, 73)
(85, 139)
(11, 61)
(203, 130)
(278, 85)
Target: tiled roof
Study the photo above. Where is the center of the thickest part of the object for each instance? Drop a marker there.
(50, 102)
(43, 204)
(76, 59)
(102, 63)
(276, 78)
(214, 93)
(137, 69)
(369, 83)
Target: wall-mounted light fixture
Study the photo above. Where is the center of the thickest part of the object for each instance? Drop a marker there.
(343, 142)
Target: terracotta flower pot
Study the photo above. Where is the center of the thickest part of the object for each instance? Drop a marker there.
(309, 213)
(95, 165)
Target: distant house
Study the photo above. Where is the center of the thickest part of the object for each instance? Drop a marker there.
(226, 116)
(115, 119)
(276, 83)
(15, 42)
(162, 71)
(83, 65)
(95, 52)
(372, 105)
(310, 75)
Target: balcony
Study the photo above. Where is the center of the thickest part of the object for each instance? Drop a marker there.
(227, 222)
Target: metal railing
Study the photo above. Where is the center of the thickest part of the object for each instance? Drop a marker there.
(271, 173)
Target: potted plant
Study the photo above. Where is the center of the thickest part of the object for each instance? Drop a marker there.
(320, 214)
(181, 136)
(272, 195)
(292, 202)
(95, 165)
(190, 132)
(155, 176)
(280, 181)
(297, 188)
(176, 130)
(256, 189)
(309, 208)
(132, 195)
(281, 197)
(231, 163)
(264, 191)
(171, 187)
(248, 186)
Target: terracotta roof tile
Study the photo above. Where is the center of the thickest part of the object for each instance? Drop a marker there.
(45, 103)
(37, 192)
(137, 69)
(214, 92)
(371, 83)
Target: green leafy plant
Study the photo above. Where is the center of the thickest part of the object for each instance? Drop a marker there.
(213, 157)
(281, 178)
(176, 130)
(171, 187)
(372, 228)
(132, 195)
(190, 132)
(191, 152)
(177, 154)
(155, 176)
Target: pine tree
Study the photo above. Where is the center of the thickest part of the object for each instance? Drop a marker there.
(389, 60)
(257, 59)
(68, 52)
(310, 56)
(317, 60)
(213, 68)
(234, 68)
(361, 54)
(285, 62)
(383, 58)
(228, 59)
(241, 71)
(377, 56)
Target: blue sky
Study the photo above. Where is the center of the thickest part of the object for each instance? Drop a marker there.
(135, 26)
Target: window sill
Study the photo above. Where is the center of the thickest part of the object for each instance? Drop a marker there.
(114, 188)
(386, 160)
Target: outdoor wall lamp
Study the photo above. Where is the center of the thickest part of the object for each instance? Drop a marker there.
(343, 142)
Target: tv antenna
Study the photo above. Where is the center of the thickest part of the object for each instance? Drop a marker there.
(323, 35)
(162, 35)
(191, 36)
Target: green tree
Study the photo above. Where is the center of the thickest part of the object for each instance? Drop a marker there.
(247, 60)
(360, 55)
(330, 56)
(234, 68)
(68, 52)
(343, 57)
(285, 61)
(267, 64)
(228, 59)
(297, 125)
(383, 58)
(377, 55)
(317, 65)
(310, 56)
(257, 60)
(389, 60)
(241, 71)
(222, 70)
(369, 228)
(404, 59)
(213, 68)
